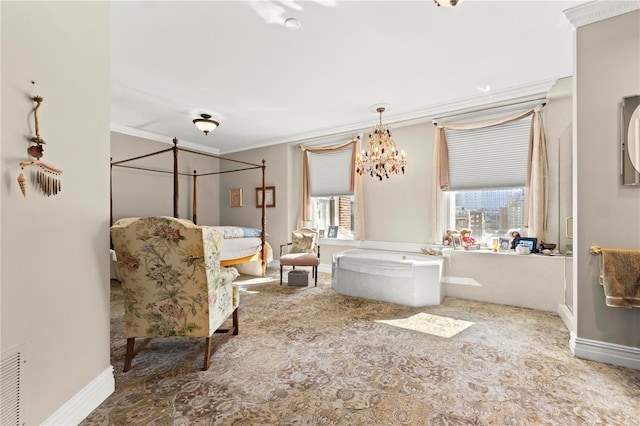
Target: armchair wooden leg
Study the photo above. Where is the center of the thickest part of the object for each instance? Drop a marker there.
(207, 354)
(131, 341)
(209, 351)
(128, 358)
(236, 322)
(280, 274)
(315, 272)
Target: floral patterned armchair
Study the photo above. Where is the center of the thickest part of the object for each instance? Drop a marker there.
(172, 282)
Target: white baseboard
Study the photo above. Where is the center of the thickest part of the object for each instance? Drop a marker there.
(566, 316)
(324, 267)
(85, 401)
(609, 353)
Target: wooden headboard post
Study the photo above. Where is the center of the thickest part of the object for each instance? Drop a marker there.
(110, 191)
(175, 178)
(264, 219)
(195, 197)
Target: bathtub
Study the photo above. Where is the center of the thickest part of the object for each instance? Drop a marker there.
(404, 278)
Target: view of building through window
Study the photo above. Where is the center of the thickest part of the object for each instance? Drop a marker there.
(333, 211)
(489, 213)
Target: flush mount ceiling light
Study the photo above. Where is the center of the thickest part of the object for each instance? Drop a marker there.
(205, 123)
(447, 3)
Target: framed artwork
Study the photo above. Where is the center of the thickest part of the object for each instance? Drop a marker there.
(504, 244)
(532, 243)
(456, 240)
(269, 198)
(321, 233)
(235, 197)
(333, 232)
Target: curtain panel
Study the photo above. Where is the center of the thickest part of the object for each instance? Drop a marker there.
(536, 191)
(355, 185)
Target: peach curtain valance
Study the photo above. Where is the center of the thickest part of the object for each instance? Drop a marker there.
(355, 184)
(306, 183)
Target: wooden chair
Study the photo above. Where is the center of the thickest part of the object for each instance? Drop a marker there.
(172, 282)
(302, 250)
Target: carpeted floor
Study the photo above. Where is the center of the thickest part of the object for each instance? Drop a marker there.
(308, 356)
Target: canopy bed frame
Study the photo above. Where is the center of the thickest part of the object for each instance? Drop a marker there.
(261, 254)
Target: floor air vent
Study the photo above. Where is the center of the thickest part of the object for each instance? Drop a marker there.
(11, 386)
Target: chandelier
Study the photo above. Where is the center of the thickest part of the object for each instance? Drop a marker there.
(447, 3)
(381, 159)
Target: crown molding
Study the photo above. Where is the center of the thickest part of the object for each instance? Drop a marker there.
(418, 115)
(130, 131)
(398, 119)
(495, 98)
(600, 10)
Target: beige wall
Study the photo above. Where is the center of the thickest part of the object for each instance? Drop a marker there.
(606, 213)
(276, 174)
(54, 255)
(557, 119)
(145, 193)
(398, 209)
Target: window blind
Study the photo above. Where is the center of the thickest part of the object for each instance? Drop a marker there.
(493, 157)
(329, 173)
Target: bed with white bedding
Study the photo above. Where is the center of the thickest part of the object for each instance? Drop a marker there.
(242, 245)
(242, 248)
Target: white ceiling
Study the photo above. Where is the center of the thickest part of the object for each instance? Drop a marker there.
(266, 84)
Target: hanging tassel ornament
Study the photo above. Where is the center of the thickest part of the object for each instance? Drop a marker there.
(47, 177)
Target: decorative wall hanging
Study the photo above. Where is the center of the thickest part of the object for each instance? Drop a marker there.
(46, 177)
(235, 197)
(630, 140)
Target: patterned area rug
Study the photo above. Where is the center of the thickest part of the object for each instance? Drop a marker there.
(308, 356)
(430, 324)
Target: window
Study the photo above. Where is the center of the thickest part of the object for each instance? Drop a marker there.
(488, 213)
(487, 178)
(331, 195)
(333, 211)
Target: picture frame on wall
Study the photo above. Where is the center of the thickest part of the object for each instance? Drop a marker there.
(269, 199)
(235, 197)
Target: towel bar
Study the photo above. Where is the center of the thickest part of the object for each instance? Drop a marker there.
(595, 250)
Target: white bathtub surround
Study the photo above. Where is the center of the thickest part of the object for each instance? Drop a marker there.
(405, 278)
(532, 281)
